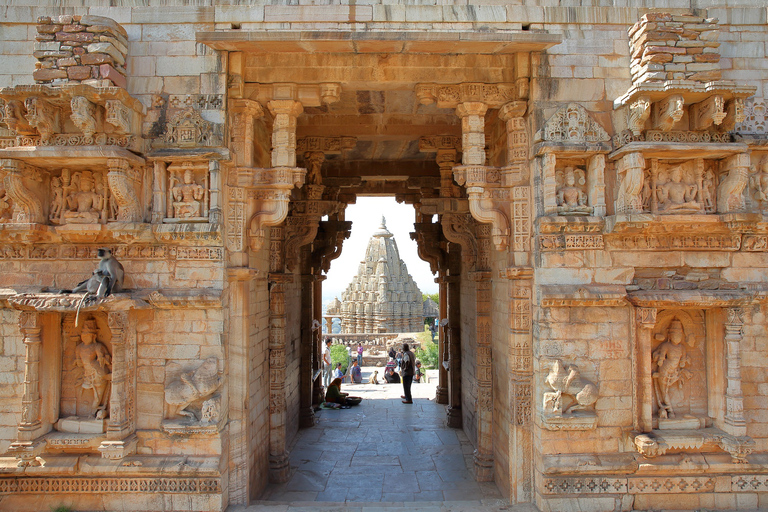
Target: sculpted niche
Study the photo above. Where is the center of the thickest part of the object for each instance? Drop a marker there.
(570, 403)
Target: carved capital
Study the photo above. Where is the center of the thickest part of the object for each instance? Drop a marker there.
(669, 111)
(43, 116)
(646, 317)
(638, 114)
(427, 236)
(19, 183)
(330, 93)
(707, 112)
(512, 110)
(123, 182)
(83, 115)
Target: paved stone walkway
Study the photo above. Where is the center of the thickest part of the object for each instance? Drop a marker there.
(382, 454)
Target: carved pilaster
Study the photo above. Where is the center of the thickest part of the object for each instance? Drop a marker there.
(123, 181)
(31, 327)
(236, 218)
(631, 173)
(483, 455)
(159, 184)
(730, 192)
(19, 185)
(244, 113)
(734, 399)
(596, 184)
(646, 321)
(285, 113)
(549, 184)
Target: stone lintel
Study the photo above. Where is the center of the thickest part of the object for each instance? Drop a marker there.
(76, 158)
(422, 41)
(572, 150)
(583, 295)
(680, 151)
(696, 298)
(188, 154)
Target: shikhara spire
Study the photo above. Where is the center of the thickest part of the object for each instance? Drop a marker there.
(382, 297)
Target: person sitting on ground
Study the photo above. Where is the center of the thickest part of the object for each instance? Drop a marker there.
(356, 373)
(391, 376)
(374, 379)
(399, 359)
(391, 365)
(417, 372)
(338, 373)
(334, 394)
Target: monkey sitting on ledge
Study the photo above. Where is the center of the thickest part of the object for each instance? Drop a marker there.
(106, 279)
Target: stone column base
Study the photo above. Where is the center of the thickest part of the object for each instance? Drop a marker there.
(307, 417)
(279, 468)
(483, 466)
(454, 417)
(441, 395)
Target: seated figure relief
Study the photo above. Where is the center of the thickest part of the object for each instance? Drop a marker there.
(571, 192)
(676, 192)
(82, 201)
(670, 364)
(187, 196)
(566, 381)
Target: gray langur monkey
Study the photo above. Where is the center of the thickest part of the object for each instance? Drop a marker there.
(107, 278)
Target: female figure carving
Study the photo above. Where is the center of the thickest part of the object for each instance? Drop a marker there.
(96, 362)
(670, 360)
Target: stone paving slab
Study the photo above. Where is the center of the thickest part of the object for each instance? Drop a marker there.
(381, 455)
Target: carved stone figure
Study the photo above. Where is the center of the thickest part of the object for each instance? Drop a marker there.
(709, 191)
(730, 196)
(57, 199)
(94, 358)
(566, 380)
(314, 161)
(187, 195)
(83, 115)
(759, 184)
(14, 118)
(193, 386)
(83, 204)
(670, 360)
(6, 205)
(572, 198)
(676, 195)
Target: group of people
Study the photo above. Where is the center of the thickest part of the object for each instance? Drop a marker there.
(402, 361)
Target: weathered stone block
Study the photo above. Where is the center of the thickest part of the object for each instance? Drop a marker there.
(109, 49)
(90, 20)
(110, 73)
(48, 74)
(97, 58)
(77, 37)
(79, 72)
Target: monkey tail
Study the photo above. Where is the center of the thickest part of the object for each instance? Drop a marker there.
(80, 305)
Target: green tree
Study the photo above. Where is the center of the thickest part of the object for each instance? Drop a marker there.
(339, 355)
(434, 296)
(428, 354)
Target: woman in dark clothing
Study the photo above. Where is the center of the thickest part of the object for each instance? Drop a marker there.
(334, 394)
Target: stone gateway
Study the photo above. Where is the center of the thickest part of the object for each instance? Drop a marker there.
(589, 187)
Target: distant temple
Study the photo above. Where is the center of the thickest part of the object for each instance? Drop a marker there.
(382, 297)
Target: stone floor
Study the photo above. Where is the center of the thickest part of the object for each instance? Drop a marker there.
(382, 454)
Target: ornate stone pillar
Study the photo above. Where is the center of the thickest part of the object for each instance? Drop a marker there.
(279, 468)
(27, 447)
(646, 321)
(453, 336)
(306, 411)
(122, 180)
(244, 113)
(120, 441)
(441, 394)
(734, 399)
(483, 455)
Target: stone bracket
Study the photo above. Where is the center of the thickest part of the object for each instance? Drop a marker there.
(482, 205)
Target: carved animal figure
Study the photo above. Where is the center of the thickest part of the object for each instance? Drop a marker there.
(566, 380)
(192, 386)
(107, 278)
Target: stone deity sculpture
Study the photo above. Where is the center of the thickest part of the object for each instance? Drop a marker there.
(571, 198)
(94, 358)
(57, 199)
(187, 196)
(759, 184)
(670, 360)
(675, 195)
(83, 205)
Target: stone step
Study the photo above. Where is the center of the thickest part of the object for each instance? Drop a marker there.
(493, 505)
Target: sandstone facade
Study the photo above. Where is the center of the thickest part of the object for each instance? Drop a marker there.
(590, 186)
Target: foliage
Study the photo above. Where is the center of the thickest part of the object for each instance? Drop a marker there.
(428, 354)
(434, 296)
(62, 508)
(339, 355)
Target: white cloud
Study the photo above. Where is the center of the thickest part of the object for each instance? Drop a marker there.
(366, 216)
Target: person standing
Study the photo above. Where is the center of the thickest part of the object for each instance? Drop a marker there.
(360, 354)
(349, 357)
(328, 369)
(407, 369)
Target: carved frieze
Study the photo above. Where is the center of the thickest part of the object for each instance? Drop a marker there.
(572, 124)
(449, 96)
(187, 129)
